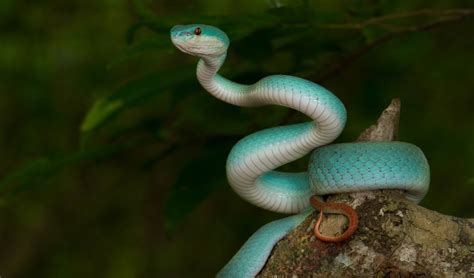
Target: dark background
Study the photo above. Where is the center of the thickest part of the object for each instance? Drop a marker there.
(112, 157)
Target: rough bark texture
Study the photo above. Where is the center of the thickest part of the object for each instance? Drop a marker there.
(395, 238)
(386, 128)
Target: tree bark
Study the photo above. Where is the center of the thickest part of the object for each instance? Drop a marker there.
(395, 237)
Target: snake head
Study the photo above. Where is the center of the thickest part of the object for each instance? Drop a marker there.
(200, 40)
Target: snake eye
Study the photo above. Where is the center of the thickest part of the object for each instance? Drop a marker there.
(197, 31)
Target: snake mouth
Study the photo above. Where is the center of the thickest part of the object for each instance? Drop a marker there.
(183, 47)
(180, 46)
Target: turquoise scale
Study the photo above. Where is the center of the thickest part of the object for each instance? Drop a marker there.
(368, 166)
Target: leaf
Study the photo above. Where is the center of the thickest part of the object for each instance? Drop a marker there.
(41, 169)
(291, 37)
(132, 94)
(292, 14)
(236, 26)
(141, 9)
(155, 43)
(196, 181)
(372, 33)
(33, 171)
(99, 112)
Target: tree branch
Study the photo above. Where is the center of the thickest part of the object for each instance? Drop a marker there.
(397, 16)
(395, 238)
(451, 17)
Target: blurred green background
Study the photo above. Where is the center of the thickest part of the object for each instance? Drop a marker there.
(112, 156)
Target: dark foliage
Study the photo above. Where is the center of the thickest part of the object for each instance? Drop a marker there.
(113, 156)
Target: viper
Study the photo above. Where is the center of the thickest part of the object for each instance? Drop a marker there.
(333, 168)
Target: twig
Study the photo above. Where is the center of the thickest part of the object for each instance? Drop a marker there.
(336, 68)
(394, 16)
(396, 32)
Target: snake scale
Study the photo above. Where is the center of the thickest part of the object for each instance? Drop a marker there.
(333, 168)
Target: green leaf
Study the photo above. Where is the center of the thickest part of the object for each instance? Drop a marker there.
(236, 26)
(372, 33)
(41, 169)
(470, 181)
(141, 9)
(156, 43)
(292, 14)
(134, 93)
(197, 180)
(99, 112)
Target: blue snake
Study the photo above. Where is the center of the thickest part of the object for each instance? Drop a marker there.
(335, 168)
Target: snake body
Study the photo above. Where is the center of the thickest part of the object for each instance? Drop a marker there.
(333, 168)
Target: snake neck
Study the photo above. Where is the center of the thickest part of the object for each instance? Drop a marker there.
(252, 161)
(220, 87)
